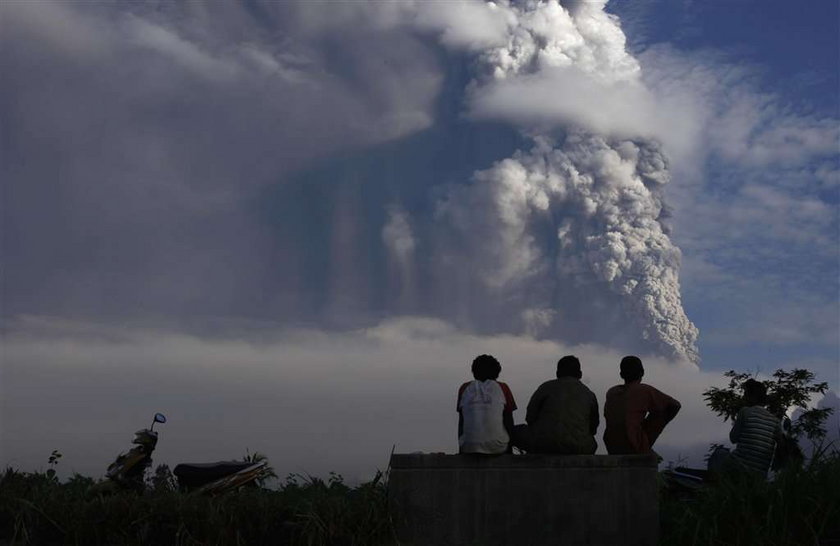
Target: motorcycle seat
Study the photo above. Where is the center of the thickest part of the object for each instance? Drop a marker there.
(198, 474)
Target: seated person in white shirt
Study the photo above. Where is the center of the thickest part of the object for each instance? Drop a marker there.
(485, 410)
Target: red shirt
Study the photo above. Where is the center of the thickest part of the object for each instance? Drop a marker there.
(636, 414)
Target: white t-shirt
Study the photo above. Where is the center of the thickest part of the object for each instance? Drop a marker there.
(481, 404)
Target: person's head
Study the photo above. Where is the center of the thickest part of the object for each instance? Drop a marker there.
(569, 366)
(631, 368)
(755, 393)
(486, 367)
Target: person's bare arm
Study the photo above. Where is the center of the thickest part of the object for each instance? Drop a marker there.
(671, 410)
(662, 410)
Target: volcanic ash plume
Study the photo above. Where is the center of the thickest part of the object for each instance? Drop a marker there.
(587, 212)
(583, 210)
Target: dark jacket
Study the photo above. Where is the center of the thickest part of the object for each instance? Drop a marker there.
(563, 417)
(756, 432)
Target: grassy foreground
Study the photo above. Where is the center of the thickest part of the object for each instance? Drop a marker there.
(36, 509)
(801, 507)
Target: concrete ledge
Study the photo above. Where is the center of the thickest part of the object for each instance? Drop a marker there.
(440, 460)
(524, 500)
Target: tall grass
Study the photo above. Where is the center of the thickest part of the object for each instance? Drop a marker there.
(36, 509)
(800, 506)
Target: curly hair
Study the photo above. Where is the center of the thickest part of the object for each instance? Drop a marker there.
(486, 367)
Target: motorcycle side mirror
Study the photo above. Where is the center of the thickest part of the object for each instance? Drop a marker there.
(159, 418)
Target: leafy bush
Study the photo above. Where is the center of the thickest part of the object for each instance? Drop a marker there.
(800, 506)
(787, 389)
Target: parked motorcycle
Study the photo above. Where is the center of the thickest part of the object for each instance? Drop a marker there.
(129, 469)
(215, 478)
(127, 472)
(685, 483)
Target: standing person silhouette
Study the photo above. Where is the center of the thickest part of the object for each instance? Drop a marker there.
(636, 413)
(485, 410)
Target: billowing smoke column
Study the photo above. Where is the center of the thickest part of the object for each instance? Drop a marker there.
(565, 239)
(551, 227)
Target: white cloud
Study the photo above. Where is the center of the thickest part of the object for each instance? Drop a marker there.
(832, 423)
(568, 95)
(397, 235)
(756, 132)
(182, 52)
(471, 25)
(562, 67)
(697, 104)
(285, 92)
(735, 117)
(58, 25)
(312, 401)
(758, 212)
(140, 138)
(400, 242)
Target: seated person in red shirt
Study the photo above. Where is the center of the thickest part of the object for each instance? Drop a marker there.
(485, 410)
(635, 413)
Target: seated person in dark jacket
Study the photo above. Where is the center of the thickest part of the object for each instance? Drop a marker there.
(755, 433)
(562, 415)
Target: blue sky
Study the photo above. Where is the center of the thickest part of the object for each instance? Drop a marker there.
(220, 187)
(795, 48)
(794, 56)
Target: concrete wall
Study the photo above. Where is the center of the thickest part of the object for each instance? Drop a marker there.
(522, 500)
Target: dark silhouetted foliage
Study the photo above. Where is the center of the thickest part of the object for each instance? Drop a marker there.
(37, 509)
(786, 390)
